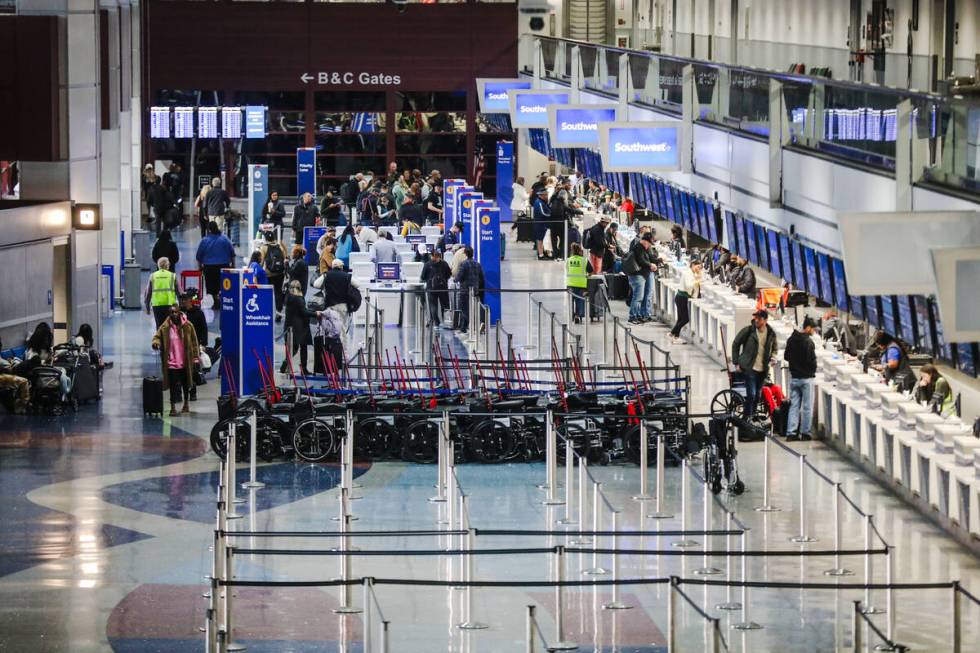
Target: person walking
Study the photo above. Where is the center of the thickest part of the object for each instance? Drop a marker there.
(436, 274)
(305, 214)
(297, 330)
(752, 352)
(541, 213)
(690, 289)
(273, 211)
(161, 292)
(201, 204)
(274, 262)
(637, 266)
(469, 277)
(214, 253)
(577, 280)
(338, 288)
(179, 352)
(298, 270)
(195, 316)
(165, 247)
(218, 203)
(802, 358)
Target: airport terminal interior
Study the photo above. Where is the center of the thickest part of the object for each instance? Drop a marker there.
(490, 326)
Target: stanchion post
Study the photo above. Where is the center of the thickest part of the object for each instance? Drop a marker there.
(889, 593)
(560, 644)
(469, 622)
(746, 623)
(644, 494)
(729, 604)
(384, 636)
(869, 607)
(252, 483)
(529, 630)
(551, 458)
(595, 569)
(442, 464)
(767, 473)
(661, 490)
(366, 619)
(530, 320)
(346, 600)
(569, 517)
(582, 482)
(616, 603)
(856, 643)
(706, 568)
(838, 570)
(672, 616)
(230, 474)
(229, 631)
(955, 616)
(685, 541)
(804, 536)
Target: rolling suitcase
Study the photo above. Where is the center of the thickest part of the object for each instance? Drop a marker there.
(152, 396)
(616, 286)
(597, 297)
(85, 380)
(318, 350)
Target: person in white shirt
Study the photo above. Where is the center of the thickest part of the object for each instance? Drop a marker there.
(384, 251)
(366, 236)
(518, 205)
(459, 255)
(690, 289)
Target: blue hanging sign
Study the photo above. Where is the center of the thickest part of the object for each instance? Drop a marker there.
(449, 189)
(306, 171)
(640, 146)
(258, 193)
(488, 222)
(530, 108)
(464, 210)
(247, 313)
(492, 93)
(474, 234)
(577, 125)
(311, 236)
(505, 179)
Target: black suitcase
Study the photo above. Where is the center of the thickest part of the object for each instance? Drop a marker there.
(617, 286)
(318, 349)
(780, 418)
(152, 396)
(525, 230)
(85, 380)
(597, 297)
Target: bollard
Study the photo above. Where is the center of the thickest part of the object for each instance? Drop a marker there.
(716, 645)
(586, 320)
(346, 599)
(837, 570)
(616, 603)
(582, 475)
(856, 643)
(569, 517)
(869, 607)
(253, 484)
(560, 644)
(706, 569)
(803, 537)
(729, 604)
(672, 616)
(366, 619)
(661, 490)
(469, 623)
(529, 630)
(440, 496)
(746, 623)
(766, 505)
(230, 475)
(595, 569)
(644, 494)
(684, 543)
(229, 632)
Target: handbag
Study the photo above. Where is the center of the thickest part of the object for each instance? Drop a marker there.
(353, 299)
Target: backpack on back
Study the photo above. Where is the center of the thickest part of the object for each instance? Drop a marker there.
(275, 262)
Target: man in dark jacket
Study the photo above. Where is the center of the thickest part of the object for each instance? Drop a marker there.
(802, 358)
(744, 282)
(468, 276)
(595, 238)
(752, 352)
(305, 214)
(217, 203)
(436, 275)
(638, 264)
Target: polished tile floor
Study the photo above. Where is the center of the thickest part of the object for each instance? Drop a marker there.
(107, 520)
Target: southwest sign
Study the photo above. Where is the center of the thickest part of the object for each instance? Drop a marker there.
(640, 146)
(577, 125)
(530, 108)
(492, 93)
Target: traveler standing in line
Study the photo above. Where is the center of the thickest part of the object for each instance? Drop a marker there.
(196, 317)
(305, 214)
(297, 328)
(218, 203)
(274, 260)
(595, 240)
(752, 352)
(802, 358)
(613, 251)
(274, 211)
(214, 252)
(384, 251)
(690, 289)
(436, 274)
(366, 237)
(298, 270)
(161, 292)
(179, 352)
(519, 202)
(165, 247)
(542, 219)
(577, 280)
(637, 266)
(254, 267)
(201, 204)
(433, 206)
(347, 243)
(468, 277)
(338, 288)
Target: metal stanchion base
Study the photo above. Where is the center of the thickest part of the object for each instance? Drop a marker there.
(883, 647)
(838, 571)
(596, 571)
(346, 609)
(564, 521)
(351, 517)
(253, 485)
(472, 625)
(683, 544)
(616, 605)
(730, 605)
(437, 499)
(802, 539)
(233, 515)
(643, 497)
(766, 509)
(237, 500)
(580, 542)
(873, 610)
(660, 515)
(562, 646)
(707, 571)
(552, 502)
(747, 625)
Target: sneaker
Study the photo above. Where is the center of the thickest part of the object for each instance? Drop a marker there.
(806, 437)
(645, 319)
(173, 411)
(792, 437)
(635, 320)
(186, 409)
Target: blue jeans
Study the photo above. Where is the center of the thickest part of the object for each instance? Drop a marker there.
(800, 407)
(578, 301)
(639, 304)
(753, 386)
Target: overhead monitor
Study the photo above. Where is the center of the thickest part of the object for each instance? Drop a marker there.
(207, 122)
(762, 246)
(255, 122)
(231, 122)
(709, 216)
(577, 125)
(784, 257)
(943, 351)
(492, 93)
(824, 271)
(730, 231)
(966, 358)
(159, 122)
(857, 306)
(799, 265)
(530, 108)
(840, 284)
(812, 273)
(752, 245)
(663, 191)
(183, 122)
(740, 247)
(697, 218)
(923, 329)
(871, 311)
(889, 253)
(888, 321)
(640, 146)
(906, 318)
(957, 274)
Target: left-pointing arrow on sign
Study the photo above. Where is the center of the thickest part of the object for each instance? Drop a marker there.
(306, 78)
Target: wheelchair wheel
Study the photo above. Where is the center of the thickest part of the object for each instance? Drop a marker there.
(727, 402)
(375, 439)
(421, 444)
(269, 443)
(492, 442)
(219, 438)
(314, 440)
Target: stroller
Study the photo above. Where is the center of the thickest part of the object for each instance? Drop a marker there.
(46, 392)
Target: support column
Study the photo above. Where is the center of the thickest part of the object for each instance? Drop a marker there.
(575, 87)
(110, 170)
(778, 136)
(625, 86)
(903, 157)
(537, 72)
(688, 110)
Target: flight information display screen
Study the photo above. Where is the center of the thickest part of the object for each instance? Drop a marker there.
(826, 289)
(888, 315)
(966, 359)
(774, 264)
(812, 273)
(857, 306)
(207, 122)
(762, 245)
(799, 266)
(183, 122)
(159, 122)
(254, 122)
(923, 339)
(871, 311)
(906, 321)
(730, 231)
(752, 245)
(840, 285)
(231, 122)
(943, 350)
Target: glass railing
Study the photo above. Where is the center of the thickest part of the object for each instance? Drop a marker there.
(841, 119)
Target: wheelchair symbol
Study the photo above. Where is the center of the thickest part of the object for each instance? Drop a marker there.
(252, 305)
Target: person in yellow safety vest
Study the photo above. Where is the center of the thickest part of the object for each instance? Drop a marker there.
(577, 280)
(161, 292)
